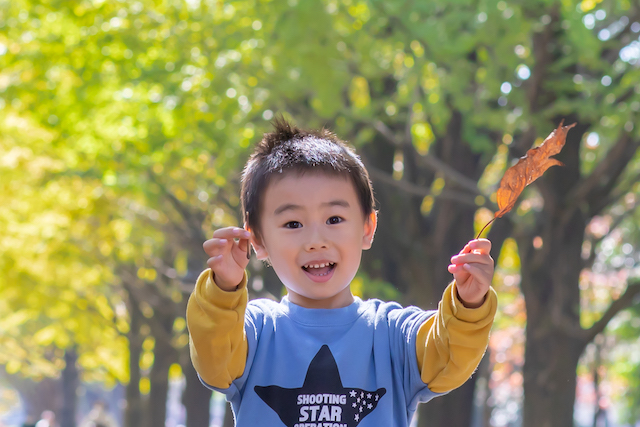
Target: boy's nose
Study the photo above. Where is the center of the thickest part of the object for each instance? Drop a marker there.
(316, 241)
(314, 246)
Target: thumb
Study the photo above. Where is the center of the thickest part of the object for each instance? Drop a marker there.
(242, 252)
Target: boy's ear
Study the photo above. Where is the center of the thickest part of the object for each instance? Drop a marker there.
(258, 246)
(370, 224)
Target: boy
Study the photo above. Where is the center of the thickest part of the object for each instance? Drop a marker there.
(322, 357)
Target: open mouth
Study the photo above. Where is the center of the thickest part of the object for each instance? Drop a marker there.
(321, 269)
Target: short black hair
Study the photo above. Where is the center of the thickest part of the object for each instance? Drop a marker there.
(291, 149)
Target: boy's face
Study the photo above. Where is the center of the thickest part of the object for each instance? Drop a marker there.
(313, 233)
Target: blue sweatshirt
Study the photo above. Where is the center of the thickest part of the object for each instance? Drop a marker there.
(351, 366)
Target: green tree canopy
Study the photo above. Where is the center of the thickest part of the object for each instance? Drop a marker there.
(124, 127)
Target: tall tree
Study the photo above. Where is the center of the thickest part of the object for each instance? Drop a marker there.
(459, 84)
(149, 108)
(53, 302)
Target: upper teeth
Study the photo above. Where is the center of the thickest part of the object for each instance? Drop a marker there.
(319, 265)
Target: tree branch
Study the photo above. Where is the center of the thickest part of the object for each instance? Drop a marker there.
(599, 183)
(628, 298)
(543, 57)
(194, 225)
(432, 162)
(130, 282)
(438, 165)
(386, 132)
(564, 323)
(588, 184)
(421, 191)
(624, 37)
(616, 222)
(620, 191)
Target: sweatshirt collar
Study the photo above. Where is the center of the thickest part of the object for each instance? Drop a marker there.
(323, 316)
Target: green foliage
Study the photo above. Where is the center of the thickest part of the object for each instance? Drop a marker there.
(625, 364)
(124, 127)
(365, 287)
(51, 296)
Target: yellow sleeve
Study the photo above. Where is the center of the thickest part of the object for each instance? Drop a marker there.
(451, 343)
(217, 341)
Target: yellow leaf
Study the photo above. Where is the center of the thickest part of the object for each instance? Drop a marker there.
(145, 385)
(179, 324)
(357, 286)
(587, 5)
(148, 344)
(175, 372)
(359, 92)
(146, 360)
(427, 205)
(509, 257)
(45, 336)
(12, 367)
(15, 319)
(422, 137)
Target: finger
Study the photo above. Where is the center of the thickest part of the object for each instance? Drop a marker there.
(231, 233)
(465, 250)
(214, 247)
(214, 261)
(225, 232)
(216, 252)
(246, 227)
(459, 272)
(481, 245)
(456, 269)
(472, 258)
(243, 246)
(478, 273)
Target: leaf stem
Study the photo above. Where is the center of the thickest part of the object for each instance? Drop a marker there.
(485, 226)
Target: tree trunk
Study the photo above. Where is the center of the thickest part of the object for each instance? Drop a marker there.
(550, 379)
(37, 396)
(599, 412)
(482, 407)
(163, 356)
(550, 284)
(454, 409)
(551, 351)
(195, 398)
(70, 384)
(412, 249)
(133, 410)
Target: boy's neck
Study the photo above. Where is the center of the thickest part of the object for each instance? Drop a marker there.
(340, 300)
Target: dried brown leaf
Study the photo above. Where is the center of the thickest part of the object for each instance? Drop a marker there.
(529, 168)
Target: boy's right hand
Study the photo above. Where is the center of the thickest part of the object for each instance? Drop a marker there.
(228, 257)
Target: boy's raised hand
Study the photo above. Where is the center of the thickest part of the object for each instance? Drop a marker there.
(472, 269)
(228, 257)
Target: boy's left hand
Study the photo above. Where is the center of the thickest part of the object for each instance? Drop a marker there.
(472, 269)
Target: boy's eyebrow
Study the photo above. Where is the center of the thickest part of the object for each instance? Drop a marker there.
(286, 207)
(293, 207)
(337, 202)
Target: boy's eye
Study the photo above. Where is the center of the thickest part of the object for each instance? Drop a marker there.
(293, 224)
(334, 220)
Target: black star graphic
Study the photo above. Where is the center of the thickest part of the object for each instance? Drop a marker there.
(322, 399)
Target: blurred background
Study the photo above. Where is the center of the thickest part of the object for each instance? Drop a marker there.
(124, 127)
